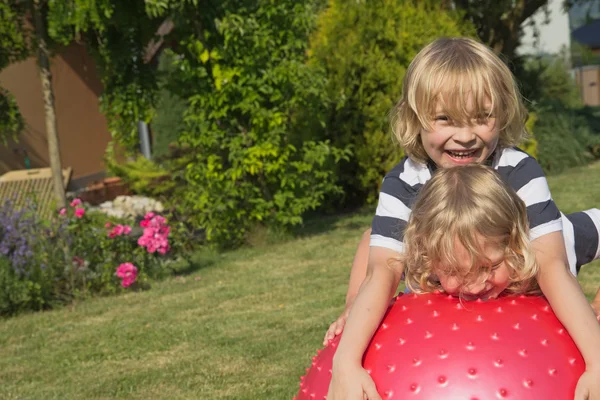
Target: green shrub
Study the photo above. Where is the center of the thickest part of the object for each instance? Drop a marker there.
(365, 48)
(11, 120)
(547, 80)
(20, 293)
(253, 160)
(164, 179)
(565, 137)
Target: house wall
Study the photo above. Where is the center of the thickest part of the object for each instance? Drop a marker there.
(588, 80)
(82, 129)
(553, 36)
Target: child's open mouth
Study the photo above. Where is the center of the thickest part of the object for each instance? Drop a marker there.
(461, 155)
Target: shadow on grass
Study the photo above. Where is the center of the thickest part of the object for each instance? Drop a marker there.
(194, 262)
(260, 236)
(319, 224)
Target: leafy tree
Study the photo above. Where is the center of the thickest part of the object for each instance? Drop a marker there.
(251, 98)
(115, 31)
(18, 42)
(13, 48)
(365, 48)
(547, 79)
(499, 23)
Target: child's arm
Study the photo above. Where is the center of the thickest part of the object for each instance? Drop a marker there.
(571, 307)
(357, 276)
(349, 379)
(359, 267)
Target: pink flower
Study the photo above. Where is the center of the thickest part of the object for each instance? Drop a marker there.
(127, 282)
(79, 212)
(63, 211)
(149, 215)
(107, 225)
(78, 261)
(118, 230)
(128, 273)
(75, 202)
(154, 238)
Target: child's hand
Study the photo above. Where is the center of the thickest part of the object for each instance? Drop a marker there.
(352, 383)
(588, 387)
(337, 327)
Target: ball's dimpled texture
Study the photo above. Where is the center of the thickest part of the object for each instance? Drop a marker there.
(436, 347)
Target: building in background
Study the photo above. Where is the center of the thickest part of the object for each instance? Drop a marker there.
(554, 36)
(82, 129)
(582, 13)
(584, 21)
(586, 62)
(574, 35)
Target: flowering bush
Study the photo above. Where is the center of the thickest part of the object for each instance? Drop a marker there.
(155, 234)
(128, 273)
(75, 254)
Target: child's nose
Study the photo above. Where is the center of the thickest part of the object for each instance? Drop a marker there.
(475, 289)
(464, 135)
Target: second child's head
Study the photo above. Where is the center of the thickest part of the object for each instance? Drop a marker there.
(468, 236)
(459, 102)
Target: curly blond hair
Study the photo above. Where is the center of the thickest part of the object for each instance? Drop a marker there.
(447, 72)
(467, 203)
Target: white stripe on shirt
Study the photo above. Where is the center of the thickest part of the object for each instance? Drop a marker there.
(535, 191)
(390, 206)
(569, 238)
(388, 243)
(544, 229)
(415, 173)
(510, 158)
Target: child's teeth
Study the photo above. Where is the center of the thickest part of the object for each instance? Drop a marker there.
(461, 154)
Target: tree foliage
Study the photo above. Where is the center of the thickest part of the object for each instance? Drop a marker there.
(365, 48)
(500, 23)
(117, 34)
(13, 48)
(253, 96)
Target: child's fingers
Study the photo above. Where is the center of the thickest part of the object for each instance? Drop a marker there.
(371, 391)
(329, 334)
(581, 391)
(339, 326)
(334, 329)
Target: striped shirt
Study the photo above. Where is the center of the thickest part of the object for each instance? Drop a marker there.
(401, 186)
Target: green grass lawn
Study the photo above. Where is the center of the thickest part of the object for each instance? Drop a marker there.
(243, 326)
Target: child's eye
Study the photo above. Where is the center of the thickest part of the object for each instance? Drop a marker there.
(441, 118)
(484, 119)
(496, 266)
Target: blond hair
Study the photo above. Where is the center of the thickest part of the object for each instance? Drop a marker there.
(448, 71)
(466, 203)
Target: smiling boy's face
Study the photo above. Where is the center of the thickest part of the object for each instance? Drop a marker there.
(450, 144)
(487, 284)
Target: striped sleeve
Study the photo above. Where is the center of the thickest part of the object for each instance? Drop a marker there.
(394, 207)
(523, 173)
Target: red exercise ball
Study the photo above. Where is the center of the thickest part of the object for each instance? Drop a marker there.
(436, 347)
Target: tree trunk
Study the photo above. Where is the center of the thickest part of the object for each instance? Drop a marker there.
(48, 93)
